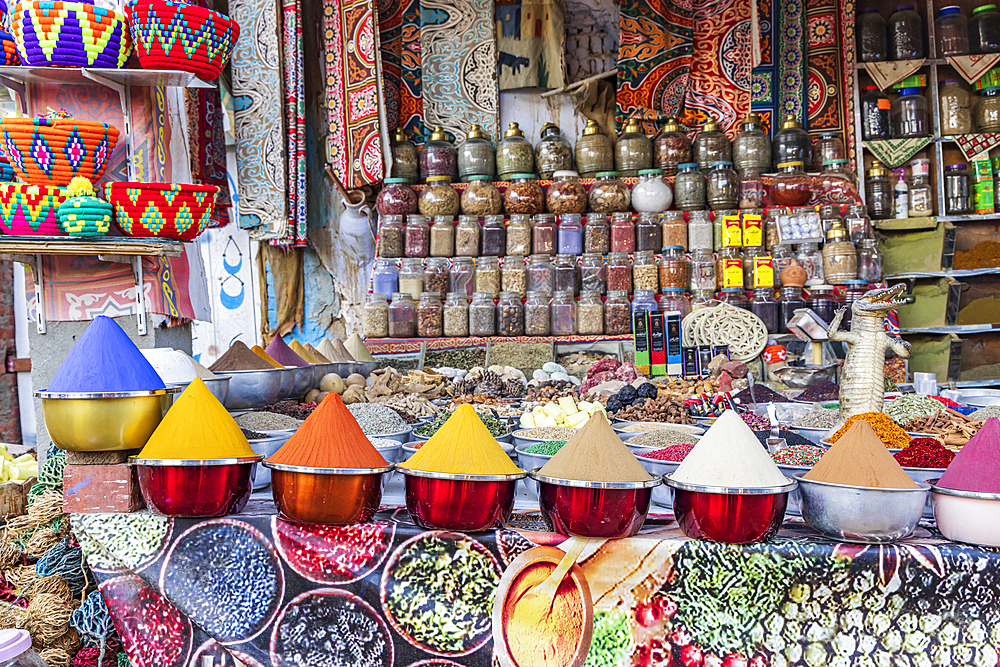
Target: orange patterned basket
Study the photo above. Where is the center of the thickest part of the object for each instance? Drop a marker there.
(162, 210)
(52, 149)
(30, 210)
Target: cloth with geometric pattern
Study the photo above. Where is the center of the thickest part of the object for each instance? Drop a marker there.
(830, 31)
(973, 67)
(894, 152)
(887, 73)
(977, 145)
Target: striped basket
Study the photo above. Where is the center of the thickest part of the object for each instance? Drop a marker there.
(162, 210)
(51, 150)
(9, 55)
(171, 35)
(30, 210)
(53, 33)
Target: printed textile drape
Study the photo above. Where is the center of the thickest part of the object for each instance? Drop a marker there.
(295, 120)
(207, 147)
(830, 30)
(763, 98)
(411, 100)
(531, 41)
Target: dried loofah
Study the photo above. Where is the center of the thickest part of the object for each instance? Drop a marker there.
(12, 617)
(47, 507)
(69, 642)
(26, 575)
(55, 657)
(40, 542)
(47, 618)
(53, 584)
(10, 556)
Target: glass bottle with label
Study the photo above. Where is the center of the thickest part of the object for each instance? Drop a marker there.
(633, 150)
(875, 114)
(710, 145)
(729, 268)
(840, 259)
(956, 109)
(515, 154)
(987, 110)
(476, 155)
(957, 190)
(594, 152)
(921, 198)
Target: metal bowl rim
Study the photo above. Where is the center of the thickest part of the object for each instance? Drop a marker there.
(45, 394)
(192, 463)
(216, 376)
(457, 477)
(654, 480)
(261, 370)
(385, 436)
(922, 487)
(413, 430)
(732, 490)
(284, 467)
(960, 493)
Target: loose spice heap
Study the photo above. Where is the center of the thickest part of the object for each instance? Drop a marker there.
(954, 428)
(818, 417)
(763, 394)
(329, 438)
(239, 357)
(300, 350)
(983, 255)
(977, 465)
(327, 349)
(197, 427)
(283, 354)
(267, 421)
(104, 359)
(463, 446)
(925, 453)
(317, 355)
(595, 454)
(377, 419)
(497, 427)
(985, 413)
(826, 391)
(174, 366)
(547, 448)
(755, 422)
(891, 435)
(729, 455)
(910, 406)
(355, 347)
(259, 351)
(860, 459)
(798, 455)
(663, 438)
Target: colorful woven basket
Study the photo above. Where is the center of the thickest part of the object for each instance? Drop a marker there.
(85, 216)
(54, 33)
(52, 149)
(30, 210)
(171, 35)
(9, 54)
(163, 210)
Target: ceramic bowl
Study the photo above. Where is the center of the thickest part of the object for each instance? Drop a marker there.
(967, 516)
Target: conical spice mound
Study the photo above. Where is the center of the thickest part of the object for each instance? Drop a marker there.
(300, 349)
(463, 446)
(259, 351)
(977, 465)
(104, 359)
(595, 453)
(860, 458)
(283, 354)
(329, 438)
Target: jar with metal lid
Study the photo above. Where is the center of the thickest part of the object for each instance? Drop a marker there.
(836, 182)
(566, 276)
(609, 194)
(385, 277)
(439, 198)
(957, 190)
(402, 316)
(984, 30)
(673, 229)
(376, 316)
(689, 188)
(544, 235)
(476, 155)
(645, 274)
(751, 147)
(908, 115)
(622, 233)
(956, 108)
(442, 243)
(563, 309)
(594, 152)
(651, 194)
(869, 261)
(647, 232)
(748, 255)
(906, 34)
(541, 274)
(674, 300)
(590, 314)
(752, 192)
(829, 146)
(734, 296)
(396, 198)
(482, 315)
(418, 236)
(438, 157)
(810, 259)
(570, 234)
(840, 258)
(456, 314)
(644, 300)
(597, 234)
(791, 186)
(510, 315)
(951, 31)
(719, 227)
(823, 301)
(519, 235)
(514, 276)
(875, 114)
(702, 274)
(592, 272)
(791, 143)
(536, 315)
(553, 152)
(524, 195)
(921, 196)
(873, 39)
(671, 148)
(515, 154)
(467, 236)
(771, 235)
(765, 306)
(391, 236)
(879, 192)
(782, 257)
(619, 272)
(790, 300)
(617, 314)
(566, 194)
(700, 232)
(988, 110)
(462, 277)
(481, 197)
(405, 160)
(436, 275)
(710, 145)
(675, 269)
(488, 275)
(494, 236)
(633, 150)
(430, 316)
(722, 186)
(411, 276)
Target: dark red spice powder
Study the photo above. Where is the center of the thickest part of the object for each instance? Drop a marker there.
(671, 453)
(925, 453)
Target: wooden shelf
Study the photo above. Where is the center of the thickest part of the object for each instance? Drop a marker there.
(957, 329)
(121, 246)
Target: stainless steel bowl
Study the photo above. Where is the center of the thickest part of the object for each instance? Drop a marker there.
(250, 390)
(266, 447)
(401, 436)
(366, 367)
(663, 495)
(521, 441)
(218, 385)
(530, 461)
(861, 514)
(303, 380)
(287, 388)
(620, 426)
(342, 368)
(795, 497)
(927, 476)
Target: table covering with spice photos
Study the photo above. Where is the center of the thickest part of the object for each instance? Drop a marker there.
(256, 590)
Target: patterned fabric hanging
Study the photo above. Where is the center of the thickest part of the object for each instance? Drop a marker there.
(531, 40)
(830, 30)
(390, 32)
(411, 101)
(207, 147)
(763, 98)
(295, 119)
(792, 90)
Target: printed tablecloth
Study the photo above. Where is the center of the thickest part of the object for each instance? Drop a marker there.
(264, 591)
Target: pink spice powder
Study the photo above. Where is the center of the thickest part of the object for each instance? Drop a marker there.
(977, 465)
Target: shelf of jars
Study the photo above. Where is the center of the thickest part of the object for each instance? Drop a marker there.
(379, 346)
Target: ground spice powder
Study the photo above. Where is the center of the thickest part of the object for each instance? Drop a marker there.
(239, 357)
(887, 430)
(259, 351)
(283, 354)
(983, 255)
(300, 349)
(356, 347)
(320, 359)
(977, 465)
(333, 353)
(925, 453)
(595, 453)
(329, 438)
(104, 359)
(729, 455)
(462, 446)
(859, 458)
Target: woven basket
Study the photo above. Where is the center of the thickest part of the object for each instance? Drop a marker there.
(51, 151)
(53, 33)
(162, 210)
(185, 37)
(30, 210)
(85, 216)
(9, 55)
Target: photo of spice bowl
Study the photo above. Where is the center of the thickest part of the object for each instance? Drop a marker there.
(594, 509)
(967, 516)
(195, 487)
(330, 496)
(464, 503)
(730, 515)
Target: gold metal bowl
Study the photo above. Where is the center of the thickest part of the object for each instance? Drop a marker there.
(104, 422)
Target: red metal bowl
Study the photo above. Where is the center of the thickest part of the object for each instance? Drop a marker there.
(465, 503)
(594, 509)
(196, 488)
(333, 496)
(729, 515)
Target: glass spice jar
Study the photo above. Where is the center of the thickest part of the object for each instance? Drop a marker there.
(675, 269)
(436, 276)
(751, 147)
(396, 198)
(405, 160)
(875, 114)
(908, 115)
(430, 316)
(391, 236)
(439, 198)
(771, 235)
(566, 194)
(719, 239)
(733, 255)
(854, 290)
(375, 317)
(906, 34)
(553, 152)
(823, 301)
(438, 158)
(710, 145)
(402, 316)
(749, 255)
(596, 234)
(957, 190)
(791, 143)
(722, 186)
(590, 314)
(524, 195)
(810, 259)
(622, 233)
(494, 236)
(566, 275)
(481, 197)
(594, 152)
(752, 192)
(829, 146)
(988, 110)
(442, 233)
(385, 277)
(515, 154)
(836, 182)
(510, 315)
(984, 30)
(651, 193)
(592, 272)
(482, 315)
(541, 274)
(608, 194)
(735, 297)
(702, 273)
(461, 278)
(671, 148)
(873, 38)
(456, 315)
(467, 236)
(570, 234)
(700, 232)
(674, 231)
(418, 233)
(645, 274)
(952, 32)
(689, 188)
(879, 192)
(536, 315)
(673, 300)
(643, 300)
(488, 275)
(647, 232)
(857, 222)
(869, 261)
(544, 237)
(514, 275)
(619, 272)
(633, 150)
(563, 309)
(765, 306)
(840, 258)
(519, 235)
(411, 277)
(791, 186)
(476, 156)
(921, 197)
(617, 314)
(790, 301)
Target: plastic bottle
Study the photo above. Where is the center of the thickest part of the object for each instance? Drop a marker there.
(902, 199)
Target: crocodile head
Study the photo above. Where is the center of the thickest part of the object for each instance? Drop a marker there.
(878, 302)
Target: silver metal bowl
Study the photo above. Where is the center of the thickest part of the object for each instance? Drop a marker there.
(967, 516)
(861, 514)
(287, 388)
(663, 495)
(266, 447)
(342, 368)
(218, 385)
(303, 380)
(366, 367)
(620, 426)
(250, 390)
(795, 497)
(401, 436)
(926, 476)
(530, 461)
(521, 441)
